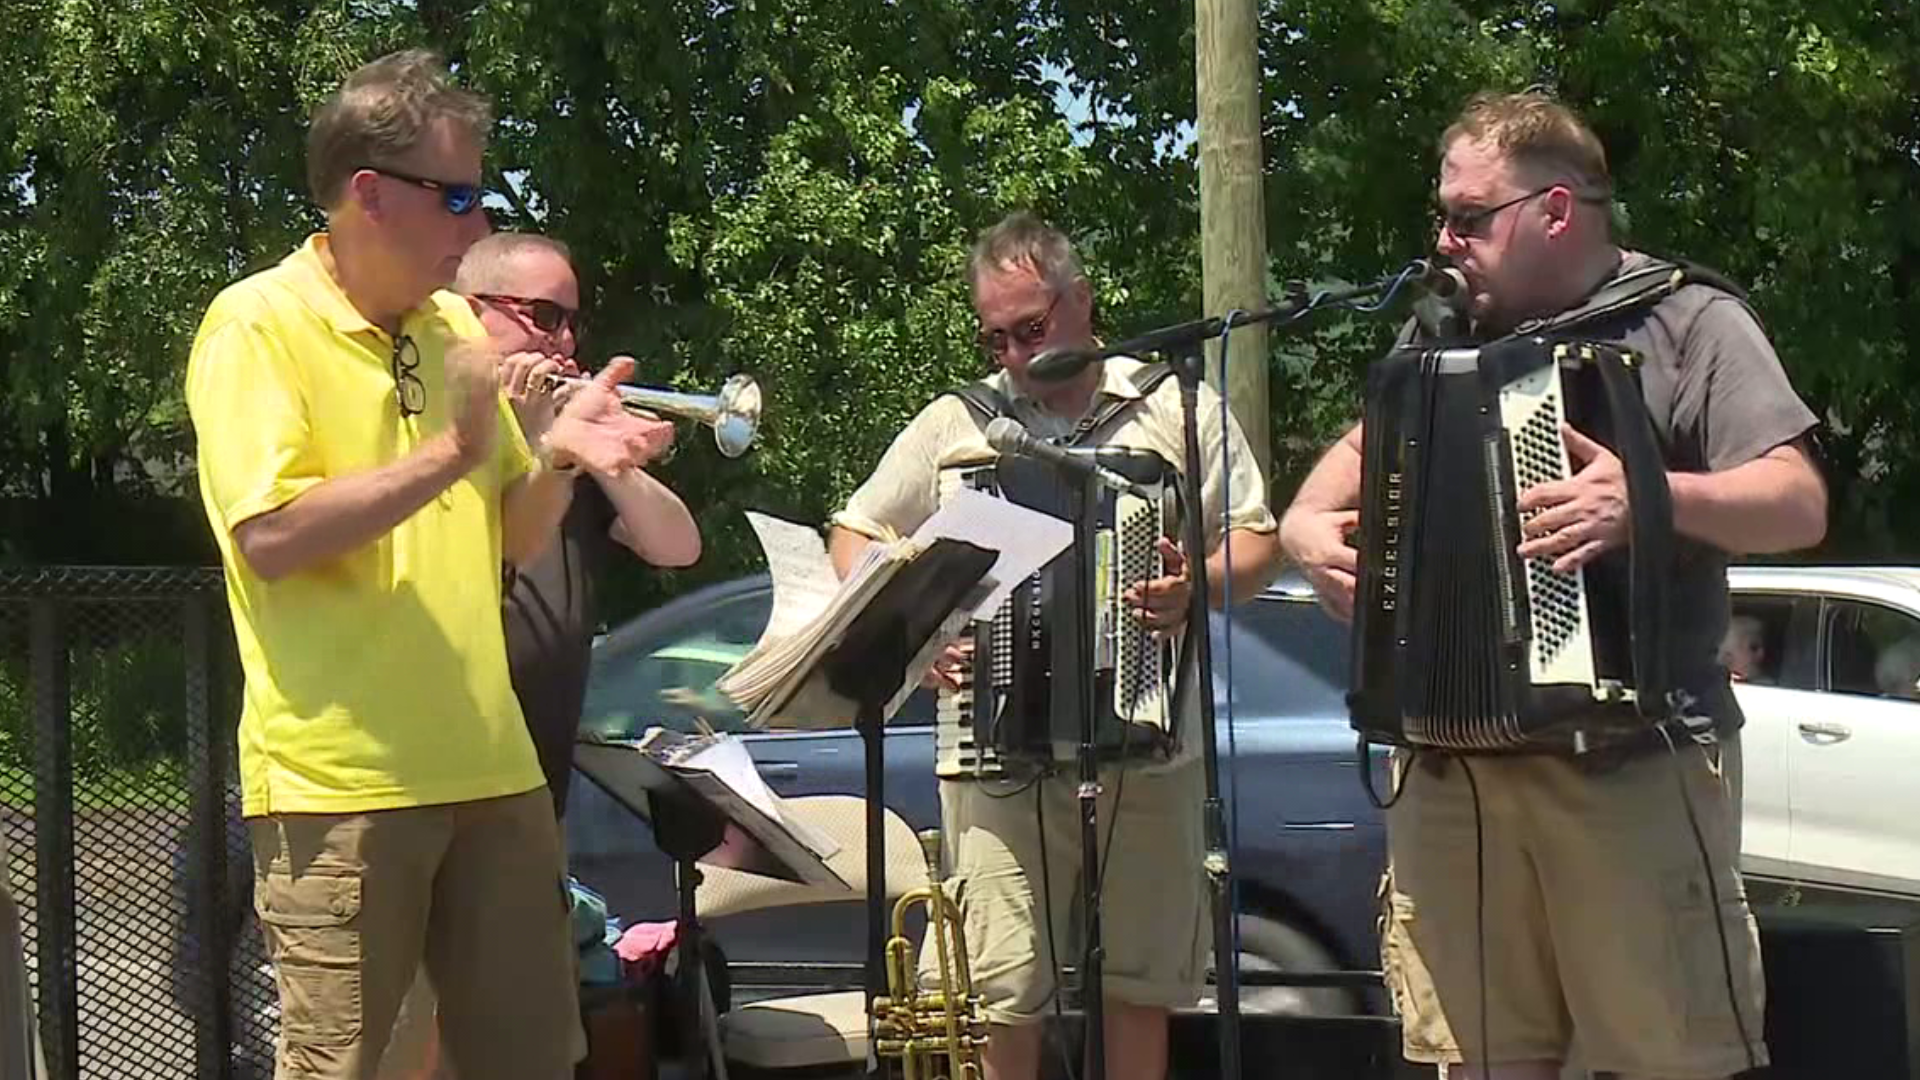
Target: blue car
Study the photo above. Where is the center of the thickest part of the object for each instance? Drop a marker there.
(1309, 846)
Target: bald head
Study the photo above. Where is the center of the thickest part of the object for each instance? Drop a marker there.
(515, 282)
(489, 265)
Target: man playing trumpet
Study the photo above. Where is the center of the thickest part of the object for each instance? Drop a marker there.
(525, 292)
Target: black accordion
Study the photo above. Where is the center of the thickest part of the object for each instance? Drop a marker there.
(1021, 700)
(1458, 643)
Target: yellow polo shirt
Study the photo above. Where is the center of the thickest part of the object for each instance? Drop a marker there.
(379, 679)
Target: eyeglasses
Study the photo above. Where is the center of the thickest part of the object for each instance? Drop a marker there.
(547, 316)
(408, 390)
(459, 199)
(1471, 224)
(1029, 333)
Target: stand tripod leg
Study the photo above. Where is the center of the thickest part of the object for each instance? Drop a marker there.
(1218, 864)
(1092, 991)
(872, 733)
(1092, 965)
(696, 1000)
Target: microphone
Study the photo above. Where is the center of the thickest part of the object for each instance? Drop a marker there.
(1445, 284)
(1008, 436)
(1059, 365)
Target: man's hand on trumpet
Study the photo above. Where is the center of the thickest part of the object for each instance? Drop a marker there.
(593, 430)
(523, 376)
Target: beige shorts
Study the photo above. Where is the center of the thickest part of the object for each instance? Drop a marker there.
(1601, 944)
(351, 904)
(1153, 920)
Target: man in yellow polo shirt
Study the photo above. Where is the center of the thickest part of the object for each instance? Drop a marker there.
(365, 482)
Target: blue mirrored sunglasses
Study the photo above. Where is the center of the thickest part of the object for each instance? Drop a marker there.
(459, 199)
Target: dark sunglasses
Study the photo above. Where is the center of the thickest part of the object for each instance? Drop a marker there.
(546, 316)
(1468, 224)
(1030, 332)
(408, 390)
(459, 199)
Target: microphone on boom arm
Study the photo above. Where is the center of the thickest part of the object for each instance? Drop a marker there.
(1009, 436)
(1445, 284)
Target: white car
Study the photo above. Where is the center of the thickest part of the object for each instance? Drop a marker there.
(1832, 741)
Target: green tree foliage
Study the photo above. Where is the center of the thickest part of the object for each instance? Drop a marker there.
(789, 189)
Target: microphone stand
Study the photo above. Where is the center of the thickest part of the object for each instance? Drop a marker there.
(1183, 347)
(1093, 958)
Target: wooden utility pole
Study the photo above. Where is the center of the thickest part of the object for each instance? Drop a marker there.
(1233, 220)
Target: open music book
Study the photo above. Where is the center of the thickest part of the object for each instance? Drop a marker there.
(720, 768)
(759, 836)
(779, 684)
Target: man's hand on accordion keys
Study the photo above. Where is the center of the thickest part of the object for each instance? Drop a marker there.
(1163, 603)
(950, 667)
(1573, 521)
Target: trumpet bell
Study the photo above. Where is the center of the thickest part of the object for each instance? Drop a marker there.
(736, 415)
(733, 413)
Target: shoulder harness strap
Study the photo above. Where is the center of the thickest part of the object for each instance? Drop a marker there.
(1642, 287)
(987, 403)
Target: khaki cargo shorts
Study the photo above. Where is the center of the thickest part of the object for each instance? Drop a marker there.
(1013, 850)
(1592, 910)
(351, 904)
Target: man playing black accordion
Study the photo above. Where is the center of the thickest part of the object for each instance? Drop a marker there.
(1579, 901)
(1014, 848)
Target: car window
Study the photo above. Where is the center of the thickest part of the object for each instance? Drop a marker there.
(1872, 650)
(668, 679)
(1767, 643)
(1289, 659)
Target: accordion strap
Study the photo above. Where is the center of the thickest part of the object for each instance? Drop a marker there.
(988, 403)
(1641, 287)
(1650, 550)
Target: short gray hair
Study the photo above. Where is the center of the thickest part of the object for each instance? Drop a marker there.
(1023, 240)
(382, 111)
(484, 267)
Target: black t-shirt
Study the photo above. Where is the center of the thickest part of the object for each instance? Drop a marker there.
(551, 610)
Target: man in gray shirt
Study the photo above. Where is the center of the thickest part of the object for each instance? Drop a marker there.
(1607, 934)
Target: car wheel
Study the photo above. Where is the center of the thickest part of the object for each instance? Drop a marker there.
(1270, 945)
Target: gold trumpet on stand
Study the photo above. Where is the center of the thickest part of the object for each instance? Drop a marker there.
(733, 413)
(937, 1033)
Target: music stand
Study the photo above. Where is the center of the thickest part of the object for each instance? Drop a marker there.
(696, 818)
(869, 666)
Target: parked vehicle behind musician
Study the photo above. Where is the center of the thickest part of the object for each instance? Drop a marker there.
(1309, 846)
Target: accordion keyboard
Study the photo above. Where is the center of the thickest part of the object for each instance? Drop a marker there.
(1532, 411)
(1141, 662)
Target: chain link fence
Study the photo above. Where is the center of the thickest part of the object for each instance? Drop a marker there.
(119, 698)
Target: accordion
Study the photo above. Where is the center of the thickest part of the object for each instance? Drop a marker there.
(1021, 699)
(1458, 643)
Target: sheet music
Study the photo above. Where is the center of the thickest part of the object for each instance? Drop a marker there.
(803, 577)
(729, 761)
(1025, 539)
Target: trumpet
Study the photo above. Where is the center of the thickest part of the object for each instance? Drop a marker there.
(929, 1029)
(733, 413)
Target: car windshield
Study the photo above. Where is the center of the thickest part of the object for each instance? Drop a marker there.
(1288, 657)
